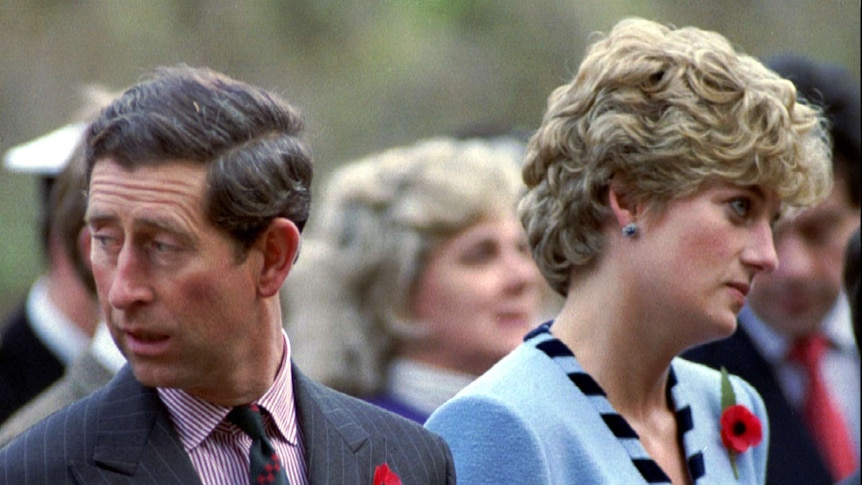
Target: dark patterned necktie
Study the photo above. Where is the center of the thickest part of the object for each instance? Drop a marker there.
(265, 466)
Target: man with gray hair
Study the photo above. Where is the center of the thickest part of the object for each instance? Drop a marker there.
(199, 188)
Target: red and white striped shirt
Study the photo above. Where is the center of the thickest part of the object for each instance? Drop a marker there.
(219, 450)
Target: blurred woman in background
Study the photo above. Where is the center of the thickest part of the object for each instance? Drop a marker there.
(415, 277)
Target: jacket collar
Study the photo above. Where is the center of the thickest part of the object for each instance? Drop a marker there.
(133, 420)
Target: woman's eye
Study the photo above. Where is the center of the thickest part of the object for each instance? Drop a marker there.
(741, 206)
(479, 253)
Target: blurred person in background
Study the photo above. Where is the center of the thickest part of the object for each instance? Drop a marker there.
(795, 342)
(94, 367)
(652, 186)
(53, 327)
(852, 278)
(417, 277)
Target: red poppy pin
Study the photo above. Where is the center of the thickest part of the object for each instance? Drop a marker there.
(383, 475)
(740, 428)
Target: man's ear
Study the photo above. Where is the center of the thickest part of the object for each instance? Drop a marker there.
(624, 206)
(279, 245)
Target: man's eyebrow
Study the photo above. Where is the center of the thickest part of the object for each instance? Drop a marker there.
(159, 223)
(166, 225)
(92, 217)
(146, 223)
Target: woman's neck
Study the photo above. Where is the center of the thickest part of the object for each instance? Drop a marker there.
(618, 343)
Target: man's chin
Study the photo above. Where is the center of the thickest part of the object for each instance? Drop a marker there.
(794, 324)
(152, 376)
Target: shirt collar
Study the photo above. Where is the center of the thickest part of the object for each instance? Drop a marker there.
(103, 348)
(838, 325)
(56, 331)
(423, 387)
(774, 346)
(195, 419)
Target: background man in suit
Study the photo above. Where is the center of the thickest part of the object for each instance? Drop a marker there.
(803, 299)
(851, 280)
(42, 337)
(198, 190)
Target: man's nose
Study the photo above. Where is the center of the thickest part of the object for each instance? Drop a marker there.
(130, 282)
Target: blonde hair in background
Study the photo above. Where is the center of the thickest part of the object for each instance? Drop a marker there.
(348, 298)
(663, 110)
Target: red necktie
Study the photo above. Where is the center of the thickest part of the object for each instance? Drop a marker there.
(264, 464)
(821, 413)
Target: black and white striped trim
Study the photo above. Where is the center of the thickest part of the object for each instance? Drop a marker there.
(542, 339)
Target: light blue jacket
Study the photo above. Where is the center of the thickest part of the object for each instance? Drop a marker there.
(525, 422)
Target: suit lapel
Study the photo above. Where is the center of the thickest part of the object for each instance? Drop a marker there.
(333, 440)
(135, 440)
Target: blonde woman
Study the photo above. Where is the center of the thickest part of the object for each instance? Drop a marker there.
(653, 183)
(416, 276)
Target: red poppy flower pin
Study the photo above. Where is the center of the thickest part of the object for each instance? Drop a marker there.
(383, 475)
(740, 428)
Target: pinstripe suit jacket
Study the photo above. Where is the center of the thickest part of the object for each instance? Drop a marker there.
(122, 434)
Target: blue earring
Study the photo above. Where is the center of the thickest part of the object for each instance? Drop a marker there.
(630, 229)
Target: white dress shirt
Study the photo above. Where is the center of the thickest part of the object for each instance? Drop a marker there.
(59, 334)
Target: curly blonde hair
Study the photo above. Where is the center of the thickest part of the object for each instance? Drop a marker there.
(663, 110)
(349, 296)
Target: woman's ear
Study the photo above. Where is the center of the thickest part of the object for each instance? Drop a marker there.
(624, 206)
(279, 245)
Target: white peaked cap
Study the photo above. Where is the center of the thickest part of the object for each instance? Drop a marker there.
(46, 155)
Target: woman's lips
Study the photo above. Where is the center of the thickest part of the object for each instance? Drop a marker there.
(739, 292)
